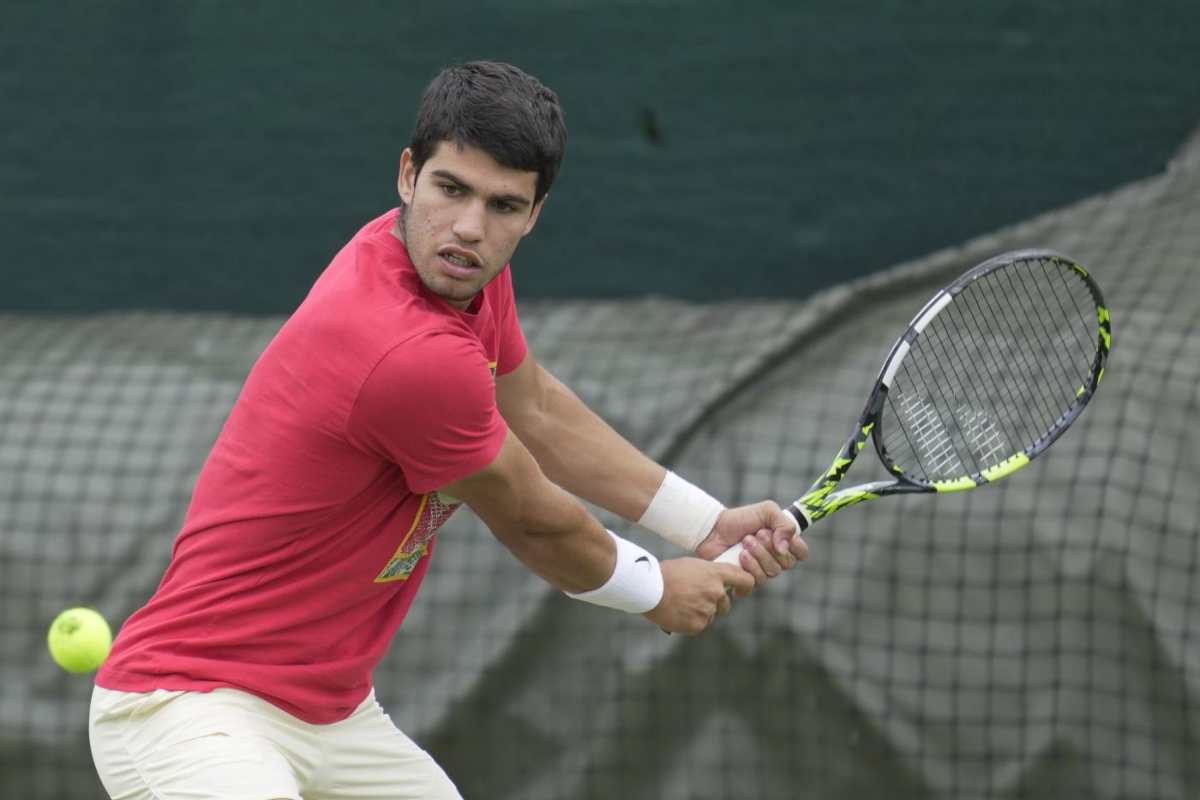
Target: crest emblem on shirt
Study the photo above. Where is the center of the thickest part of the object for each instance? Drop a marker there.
(433, 512)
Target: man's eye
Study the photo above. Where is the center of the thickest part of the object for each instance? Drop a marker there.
(504, 208)
(451, 190)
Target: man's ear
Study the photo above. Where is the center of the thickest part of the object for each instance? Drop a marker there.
(534, 214)
(406, 184)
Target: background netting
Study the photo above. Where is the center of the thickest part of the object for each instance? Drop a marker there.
(1034, 639)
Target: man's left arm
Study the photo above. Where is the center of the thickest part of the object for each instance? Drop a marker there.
(583, 454)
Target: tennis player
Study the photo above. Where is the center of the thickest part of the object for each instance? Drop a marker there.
(400, 389)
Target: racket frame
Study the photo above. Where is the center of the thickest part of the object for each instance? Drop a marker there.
(823, 497)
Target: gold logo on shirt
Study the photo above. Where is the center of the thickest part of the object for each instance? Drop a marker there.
(433, 512)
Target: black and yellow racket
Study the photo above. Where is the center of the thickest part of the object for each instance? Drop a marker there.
(988, 375)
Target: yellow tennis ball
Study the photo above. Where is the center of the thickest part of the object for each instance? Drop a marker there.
(79, 640)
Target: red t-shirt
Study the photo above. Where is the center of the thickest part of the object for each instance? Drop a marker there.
(314, 517)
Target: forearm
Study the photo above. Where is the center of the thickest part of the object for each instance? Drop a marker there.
(546, 528)
(559, 541)
(582, 453)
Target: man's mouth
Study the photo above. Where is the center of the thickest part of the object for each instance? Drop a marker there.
(460, 263)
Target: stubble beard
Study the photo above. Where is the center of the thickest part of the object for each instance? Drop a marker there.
(429, 282)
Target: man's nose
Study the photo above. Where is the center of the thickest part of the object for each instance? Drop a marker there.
(469, 225)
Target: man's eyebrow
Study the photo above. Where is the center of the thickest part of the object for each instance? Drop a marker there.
(511, 199)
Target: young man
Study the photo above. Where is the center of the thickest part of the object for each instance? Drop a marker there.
(399, 389)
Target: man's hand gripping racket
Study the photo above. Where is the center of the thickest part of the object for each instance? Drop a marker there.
(989, 374)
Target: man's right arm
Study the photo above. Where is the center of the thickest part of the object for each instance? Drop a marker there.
(429, 406)
(552, 533)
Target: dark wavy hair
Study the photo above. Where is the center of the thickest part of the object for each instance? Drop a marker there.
(497, 108)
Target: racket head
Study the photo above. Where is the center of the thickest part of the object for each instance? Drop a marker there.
(991, 371)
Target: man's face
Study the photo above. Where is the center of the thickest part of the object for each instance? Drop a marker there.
(466, 214)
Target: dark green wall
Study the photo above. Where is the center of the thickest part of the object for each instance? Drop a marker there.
(214, 155)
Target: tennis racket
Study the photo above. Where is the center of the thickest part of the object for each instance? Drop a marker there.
(989, 374)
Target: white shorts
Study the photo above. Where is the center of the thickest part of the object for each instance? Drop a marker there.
(232, 745)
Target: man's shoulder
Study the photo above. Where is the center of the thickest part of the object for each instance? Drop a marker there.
(368, 333)
(380, 224)
(434, 348)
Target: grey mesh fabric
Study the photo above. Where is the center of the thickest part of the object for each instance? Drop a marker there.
(1032, 639)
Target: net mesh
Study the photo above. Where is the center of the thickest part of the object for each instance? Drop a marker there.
(1033, 639)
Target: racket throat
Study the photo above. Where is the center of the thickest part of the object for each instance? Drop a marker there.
(817, 505)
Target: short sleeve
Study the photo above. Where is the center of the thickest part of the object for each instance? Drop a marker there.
(513, 347)
(429, 407)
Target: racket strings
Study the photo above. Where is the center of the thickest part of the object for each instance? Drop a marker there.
(994, 373)
(929, 434)
(952, 406)
(1030, 327)
(1082, 340)
(1034, 373)
(952, 458)
(1054, 366)
(1033, 323)
(960, 404)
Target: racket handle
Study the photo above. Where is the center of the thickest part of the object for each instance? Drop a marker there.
(730, 556)
(795, 511)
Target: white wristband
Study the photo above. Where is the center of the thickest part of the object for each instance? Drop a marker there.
(636, 584)
(681, 513)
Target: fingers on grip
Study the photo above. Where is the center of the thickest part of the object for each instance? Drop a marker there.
(730, 556)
